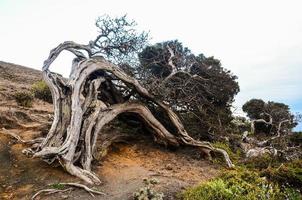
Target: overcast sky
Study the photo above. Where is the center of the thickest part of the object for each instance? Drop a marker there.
(259, 41)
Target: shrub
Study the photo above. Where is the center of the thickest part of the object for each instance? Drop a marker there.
(261, 162)
(147, 192)
(290, 173)
(292, 194)
(215, 189)
(240, 184)
(58, 186)
(234, 156)
(24, 98)
(41, 91)
(296, 138)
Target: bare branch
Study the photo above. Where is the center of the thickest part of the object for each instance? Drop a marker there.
(19, 139)
(280, 126)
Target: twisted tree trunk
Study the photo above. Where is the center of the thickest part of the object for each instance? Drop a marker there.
(89, 100)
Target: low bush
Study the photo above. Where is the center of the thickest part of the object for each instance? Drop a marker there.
(24, 98)
(261, 162)
(240, 184)
(296, 138)
(148, 192)
(58, 186)
(289, 173)
(234, 156)
(41, 91)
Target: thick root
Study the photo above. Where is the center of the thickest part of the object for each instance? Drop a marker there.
(49, 191)
(77, 185)
(85, 175)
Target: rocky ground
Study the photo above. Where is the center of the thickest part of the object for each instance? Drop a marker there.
(122, 171)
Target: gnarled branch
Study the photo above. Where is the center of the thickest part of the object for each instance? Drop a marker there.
(82, 107)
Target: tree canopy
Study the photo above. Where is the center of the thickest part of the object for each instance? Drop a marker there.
(276, 116)
(195, 86)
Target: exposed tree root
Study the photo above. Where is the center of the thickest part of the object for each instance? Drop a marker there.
(84, 187)
(49, 191)
(19, 139)
(77, 185)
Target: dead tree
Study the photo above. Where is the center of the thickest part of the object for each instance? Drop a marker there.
(96, 92)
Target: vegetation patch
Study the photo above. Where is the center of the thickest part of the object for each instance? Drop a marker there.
(289, 173)
(261, 162)
(58, 186)
(41, 91)
(296, 138)
(235, 156)
(24, 98)
(148, 192)
(240, 184)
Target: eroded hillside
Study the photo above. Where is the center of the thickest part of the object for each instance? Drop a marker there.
(122, 171)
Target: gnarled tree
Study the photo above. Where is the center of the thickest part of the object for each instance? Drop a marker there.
(270, 118)
(271, 128)
(96, 92)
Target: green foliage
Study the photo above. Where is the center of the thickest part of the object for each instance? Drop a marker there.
(258, 109)
(41, 91)
(292, 194)
(215, 189)
(296, 138)
(240, 125)
(200, 90)
(261, 162)
(234, 156)
(24, 98)
(58, 186)
(254, 108)
(240, 184)
(147, 192)
(290, 173)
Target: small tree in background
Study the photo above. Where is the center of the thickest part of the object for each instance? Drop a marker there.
(271, 117)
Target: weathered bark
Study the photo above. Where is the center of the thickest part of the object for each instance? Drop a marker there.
(280, 126)
(70, 185)
(264, 147)
(89, 100)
